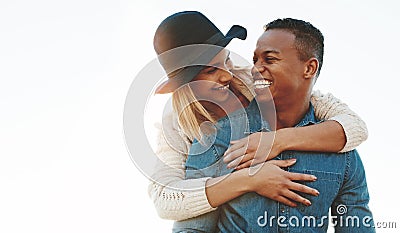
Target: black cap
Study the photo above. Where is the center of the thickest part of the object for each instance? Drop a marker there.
(186, 40)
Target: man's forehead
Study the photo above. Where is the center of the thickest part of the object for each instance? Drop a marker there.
(275, 40)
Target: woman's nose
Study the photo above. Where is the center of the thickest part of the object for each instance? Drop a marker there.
(257, 69)
(225, 76)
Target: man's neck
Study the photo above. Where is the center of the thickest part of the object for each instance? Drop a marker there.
(288, 113)
(290, 116)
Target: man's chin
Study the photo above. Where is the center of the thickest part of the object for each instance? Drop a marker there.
(263, 95)
(264, 98)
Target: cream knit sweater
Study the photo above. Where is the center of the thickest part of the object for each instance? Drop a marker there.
(177, 199)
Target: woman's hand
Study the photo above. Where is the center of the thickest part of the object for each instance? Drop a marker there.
(253, 149)
(273, 182)
(267, 179)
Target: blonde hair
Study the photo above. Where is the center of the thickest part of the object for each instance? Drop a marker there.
(191, 113)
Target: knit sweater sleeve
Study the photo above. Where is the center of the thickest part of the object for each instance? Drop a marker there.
(328, 107)
(174, 197)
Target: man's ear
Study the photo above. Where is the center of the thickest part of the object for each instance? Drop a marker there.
(311, 68)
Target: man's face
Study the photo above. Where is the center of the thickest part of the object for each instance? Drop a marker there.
(277, 70)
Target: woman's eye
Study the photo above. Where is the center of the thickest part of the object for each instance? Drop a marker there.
(210, 70)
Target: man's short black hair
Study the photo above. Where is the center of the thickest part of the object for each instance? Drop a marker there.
(309, 41)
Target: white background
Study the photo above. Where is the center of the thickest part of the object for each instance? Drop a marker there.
(65, 69)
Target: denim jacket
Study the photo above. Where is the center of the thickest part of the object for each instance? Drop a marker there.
(343, 189)
(205, 158)
(340, 180)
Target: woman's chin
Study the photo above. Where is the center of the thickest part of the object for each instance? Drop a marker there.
(221, 98)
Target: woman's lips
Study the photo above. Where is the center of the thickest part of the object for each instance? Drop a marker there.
(221, 88)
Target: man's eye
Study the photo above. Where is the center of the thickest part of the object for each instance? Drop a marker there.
(269, 59)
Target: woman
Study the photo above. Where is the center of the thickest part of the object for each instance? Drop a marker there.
(178, 198)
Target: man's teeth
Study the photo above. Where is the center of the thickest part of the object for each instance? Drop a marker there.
(262, 84)
(223, 87)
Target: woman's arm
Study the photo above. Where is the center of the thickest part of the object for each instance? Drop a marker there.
(327, 136)
(328, 107)
(269, 181)
(174, 197)
(342, 131)
(177, 199)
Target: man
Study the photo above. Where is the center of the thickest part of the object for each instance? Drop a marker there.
(287, 61)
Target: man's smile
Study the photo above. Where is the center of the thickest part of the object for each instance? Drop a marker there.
(262, 83)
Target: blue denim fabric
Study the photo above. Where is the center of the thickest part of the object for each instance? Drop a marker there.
(342, 185)
(205, 159)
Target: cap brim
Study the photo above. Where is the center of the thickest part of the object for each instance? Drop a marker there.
(237, 31)
(184, 76)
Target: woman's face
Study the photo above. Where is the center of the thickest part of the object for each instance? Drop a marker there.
(212, 83)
